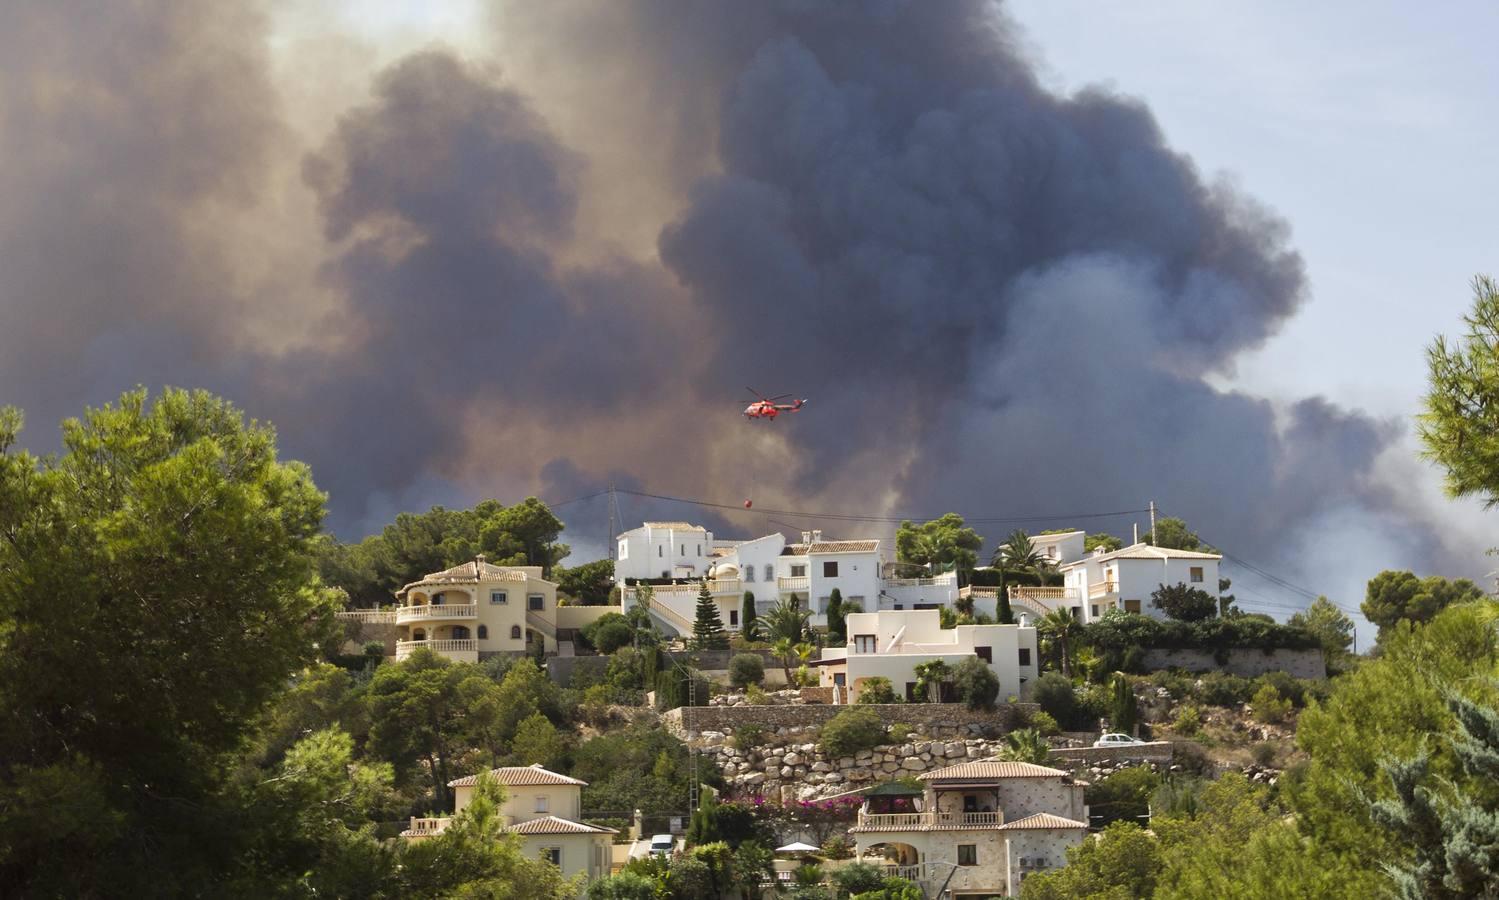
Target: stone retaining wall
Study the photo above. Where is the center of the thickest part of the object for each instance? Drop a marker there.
(1155, 751)
(1246, 663)
(921, 716)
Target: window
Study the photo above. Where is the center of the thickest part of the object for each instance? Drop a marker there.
(498, 597)
(554, 856)
(1095, 610)
(684, 549)
(770, 572)
(1195, 574)
(699, 549)
(541, 803)
(483, 632)
(822, 604)
(734, 618)
(437, 599)
(986, 654)
(660, 550)
(536, 601)
(1025, 656)
(418, 635)
(1132, 606)
(968, 854)
(749, 573)
(866, 643)
(460, 633)
(515, 632)
(830, 570)
(840, 679)
(1051, 552)
(798, 571)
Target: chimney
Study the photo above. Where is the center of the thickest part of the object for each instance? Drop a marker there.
(479, 563)
(806, 537)
(816, 535)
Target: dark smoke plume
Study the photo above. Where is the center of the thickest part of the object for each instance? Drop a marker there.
(558, 267)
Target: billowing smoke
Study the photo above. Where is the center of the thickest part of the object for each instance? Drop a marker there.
(555, 266)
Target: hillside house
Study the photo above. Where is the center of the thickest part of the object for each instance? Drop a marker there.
(543, 808)
(977, 828)
(891, 643)
(1125, 579)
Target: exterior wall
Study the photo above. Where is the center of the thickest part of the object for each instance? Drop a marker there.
(1021, 797)
(921, 639)
(756, 555)
(858, 577)
(650, 550)
(1135, 580)
(563, 801)
(943, 591)
(571, 618)
(589, 854)
(926, 716)
(1043, 848)
(1061, 548)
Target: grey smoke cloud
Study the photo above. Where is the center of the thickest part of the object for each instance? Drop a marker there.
(998, 299)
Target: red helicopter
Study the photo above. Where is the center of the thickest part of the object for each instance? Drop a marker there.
(768, 408)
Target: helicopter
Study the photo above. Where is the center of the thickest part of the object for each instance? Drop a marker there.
(767, 407)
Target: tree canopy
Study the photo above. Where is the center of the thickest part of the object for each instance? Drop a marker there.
(1460, 425)
(943, 543)
(1333, 628)
(1184, 602)
(1395, 596)
(1173, 534)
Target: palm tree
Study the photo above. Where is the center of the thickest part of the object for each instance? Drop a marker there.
(785, 651)
(787, 619)
(1061, 627)
(1017, 555)
(1025, 745)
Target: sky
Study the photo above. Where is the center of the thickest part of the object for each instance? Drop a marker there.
(1032, 262)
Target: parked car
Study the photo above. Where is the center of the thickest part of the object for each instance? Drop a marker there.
(1116, 740)
(662, 844)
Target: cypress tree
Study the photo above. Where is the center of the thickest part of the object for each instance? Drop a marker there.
(707, 631)
(747, 616)
(1123, 713)
(837, 625)
(1006, 614)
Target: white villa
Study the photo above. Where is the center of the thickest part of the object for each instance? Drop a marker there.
(768, 568)
(979, 828)
(891, 643)
(542, 807)
(477, 609)
(1095, 583)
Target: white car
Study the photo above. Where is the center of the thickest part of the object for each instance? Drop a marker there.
(662, 844)
(1116, 740)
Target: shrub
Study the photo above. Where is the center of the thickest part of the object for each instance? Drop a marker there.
(850, 731)
(837, 847)
(877, 690)
(611, 636)
(807, 875)
(1025, 745)
(754, 695)
(1288, 686)
(749, 734)
(1223, 689)
(899, 732)
(1177, 685)
(1044, 723)
(1054, 694)
(858, 878)
(1192, 759)
(1268, 706)
(746, 669)
(1124, 795)
(1263, 753)
(976, 683)
(1188, 719)
(1184, 603)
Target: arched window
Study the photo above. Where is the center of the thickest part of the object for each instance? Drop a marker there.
(483, 632)
(437, 599)
(515, 632)
(418, 635)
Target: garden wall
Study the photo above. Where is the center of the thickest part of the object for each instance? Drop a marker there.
(1155, 751)
(1243, 662)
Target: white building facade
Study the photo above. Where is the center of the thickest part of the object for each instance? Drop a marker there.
(769, 570)
(892, 643)
(1125, 579)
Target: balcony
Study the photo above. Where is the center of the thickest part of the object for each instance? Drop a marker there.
(426, 827)
(948, 578)
(718, 587)
(427, 612)
(796, 583)
(919, 820)
(1102, 589)
(456, 650)
(367, 616)
(1043, 594)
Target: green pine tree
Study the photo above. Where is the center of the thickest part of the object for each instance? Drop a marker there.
(1123, 713)
(707, 631)
(837, 624)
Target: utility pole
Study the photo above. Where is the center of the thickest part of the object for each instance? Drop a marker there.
(1153, 539)
(613, 523)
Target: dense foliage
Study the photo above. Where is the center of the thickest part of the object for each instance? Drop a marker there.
(1460, 426)
(940, 545)
(1402, 597)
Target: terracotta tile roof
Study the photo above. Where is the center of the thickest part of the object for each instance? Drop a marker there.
(1041, 820)
(992, 768)
(519, 776)
(469, 573)
(843, 547)
(554, 825)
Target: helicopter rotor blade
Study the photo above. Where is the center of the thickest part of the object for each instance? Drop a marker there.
(779, 397)
(755, 392)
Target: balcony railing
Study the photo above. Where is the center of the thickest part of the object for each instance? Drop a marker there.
(425, 827)
(1043, 594)
(915, 873)
(427, 611)
(944, 579)
(367, 616)
(1102, 589)
(970, 591)
(717, 586)
(931, 819)
(406, 648)
(798, 583)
